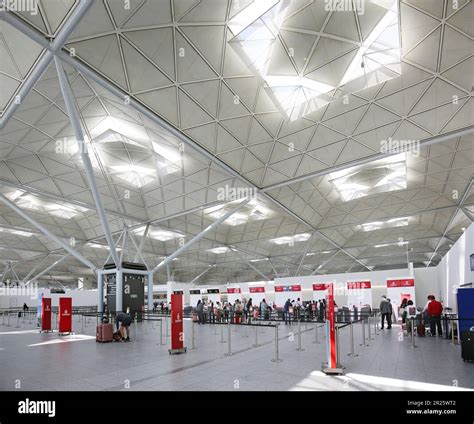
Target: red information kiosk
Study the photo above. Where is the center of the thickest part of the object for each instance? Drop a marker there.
(177, 335)
(46, 314)
(65, 315)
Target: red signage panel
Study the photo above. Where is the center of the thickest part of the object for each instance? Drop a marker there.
(177, 336)
(233, 290)
(330, 328)
(257, 289)
(65, 314)
(405, 282)
(356, 285)
(46, 314)
(317, 287)
(287, 288)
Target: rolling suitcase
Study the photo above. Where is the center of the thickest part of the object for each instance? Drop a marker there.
(104, 333)
(420, 330)
(467, 345)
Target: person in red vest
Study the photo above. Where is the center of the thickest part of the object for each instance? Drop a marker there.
(435, 309)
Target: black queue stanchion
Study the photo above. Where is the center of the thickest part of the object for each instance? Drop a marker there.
(277, 357)
(351, 330)
(413, 332)
(229, 341)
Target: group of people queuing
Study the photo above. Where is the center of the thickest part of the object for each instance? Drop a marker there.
(430, 314)
(246, 310)
(163, 307)
(223, 312)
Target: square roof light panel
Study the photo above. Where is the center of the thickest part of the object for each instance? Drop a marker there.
(34, 203)
(129, 153)
(381, 176)
(256, 31)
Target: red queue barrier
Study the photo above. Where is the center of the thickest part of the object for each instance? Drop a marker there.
(65, 315)
(46, 314)
(177, 335)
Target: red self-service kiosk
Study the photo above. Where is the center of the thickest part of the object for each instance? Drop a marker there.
(46, 314)
(177, 335)
(65, 315)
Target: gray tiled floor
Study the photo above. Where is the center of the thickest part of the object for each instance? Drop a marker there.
(145, 365)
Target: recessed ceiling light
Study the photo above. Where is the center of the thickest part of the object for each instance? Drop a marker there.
(291, 239)
(218, 250)
(158, 234)
(16, 232)
(32, 202)
(378, 225)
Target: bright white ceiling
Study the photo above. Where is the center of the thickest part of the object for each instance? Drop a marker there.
(176, 58)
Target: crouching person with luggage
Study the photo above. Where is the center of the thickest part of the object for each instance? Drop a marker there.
(123, 321)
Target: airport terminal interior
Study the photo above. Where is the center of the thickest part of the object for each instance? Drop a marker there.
(236, 195)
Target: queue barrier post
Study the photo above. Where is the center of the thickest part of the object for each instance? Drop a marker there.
(351, 329)
(256, 337)
(413, 332)
(135, 325)
(222, 334)
(229, 342)
(316, 334)
(363, 333)
(192, 336)
(299, 348)
(276, 358)
(161, 332)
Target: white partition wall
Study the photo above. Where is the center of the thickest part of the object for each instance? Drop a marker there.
(213, 295)
(319, 291)
(398, 289)
(282, 293)
(233, 294)
(257, 294)
(194, 296)
(359, 293)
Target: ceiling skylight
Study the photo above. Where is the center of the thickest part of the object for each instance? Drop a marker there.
(32, 202)
(378, 225)
(256, 30)
(252, 211)
(158, 234)
(129, 153)
(16, 232)
(218, 250)
(291, 239)
(101, 246)
(381, 176)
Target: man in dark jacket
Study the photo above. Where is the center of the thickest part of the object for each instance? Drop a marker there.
(386, 312)
(286, 312)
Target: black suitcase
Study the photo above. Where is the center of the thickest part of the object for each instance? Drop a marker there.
(467, 345)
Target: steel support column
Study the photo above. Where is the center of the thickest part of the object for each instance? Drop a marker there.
(46, 232)
(201, 274)
(49, 268)
(119, 290)
(249, 263)
(76, 125)
(150, 290)
(200, 235)
(100, 292)
(41, 66)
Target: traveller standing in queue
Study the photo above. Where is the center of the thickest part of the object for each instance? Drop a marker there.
(435, 309)
(286, 312)
(200, 312)
(386, 312)
(264, 309)
(249, 308)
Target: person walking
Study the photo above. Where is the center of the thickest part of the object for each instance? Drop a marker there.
(435, 309)
(386, 312)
